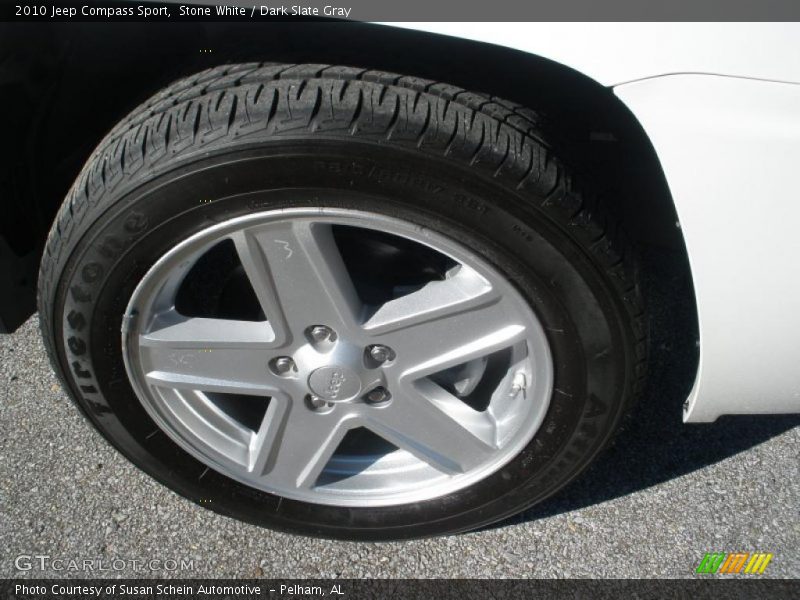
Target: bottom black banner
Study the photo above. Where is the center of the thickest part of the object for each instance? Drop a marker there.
(460, 589)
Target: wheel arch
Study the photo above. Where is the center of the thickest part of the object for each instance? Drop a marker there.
(75, 81)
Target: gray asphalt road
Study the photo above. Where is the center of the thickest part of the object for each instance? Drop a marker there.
(652, 506)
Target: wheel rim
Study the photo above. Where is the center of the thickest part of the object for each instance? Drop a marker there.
(322, 389)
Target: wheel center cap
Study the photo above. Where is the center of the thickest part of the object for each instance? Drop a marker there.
(334, 383)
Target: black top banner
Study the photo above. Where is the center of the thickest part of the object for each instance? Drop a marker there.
(406, 10)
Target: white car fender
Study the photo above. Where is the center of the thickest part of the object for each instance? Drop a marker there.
(718, 103)
(730, 148)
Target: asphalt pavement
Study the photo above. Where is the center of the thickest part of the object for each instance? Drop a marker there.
(652, 506)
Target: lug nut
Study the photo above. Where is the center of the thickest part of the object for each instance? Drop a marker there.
(321, 333)
(518, 385)
(381, 353)
(316, 401)
(379, 395)
(318, 404)
(283, 365)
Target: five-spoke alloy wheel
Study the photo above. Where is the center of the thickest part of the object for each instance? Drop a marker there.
(320, 363)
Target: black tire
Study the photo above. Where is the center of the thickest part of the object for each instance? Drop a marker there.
(467, 165)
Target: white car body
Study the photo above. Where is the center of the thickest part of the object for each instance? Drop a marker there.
(721, 105)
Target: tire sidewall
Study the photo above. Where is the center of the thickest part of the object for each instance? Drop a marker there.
(589, 336)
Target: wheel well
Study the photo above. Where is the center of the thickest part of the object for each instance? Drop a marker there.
(68, 84)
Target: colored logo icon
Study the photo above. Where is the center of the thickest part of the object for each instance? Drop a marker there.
(753, 563)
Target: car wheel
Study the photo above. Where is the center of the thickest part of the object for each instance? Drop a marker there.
(341, 302)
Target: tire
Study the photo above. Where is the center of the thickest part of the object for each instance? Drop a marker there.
(238, 140)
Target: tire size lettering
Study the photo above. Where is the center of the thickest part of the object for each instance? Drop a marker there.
(406, 178)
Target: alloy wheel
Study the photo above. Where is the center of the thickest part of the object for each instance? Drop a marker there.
(337, 357)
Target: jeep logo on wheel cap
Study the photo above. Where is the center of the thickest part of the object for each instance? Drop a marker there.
(334, 383)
